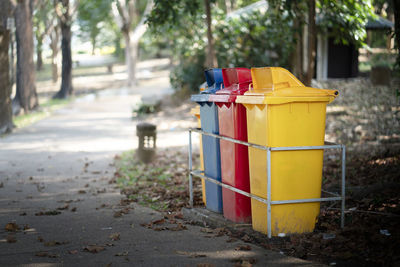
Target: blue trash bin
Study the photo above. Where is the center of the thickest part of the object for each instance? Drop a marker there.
(211, 152)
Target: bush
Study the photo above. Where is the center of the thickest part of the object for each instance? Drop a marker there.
(254, 40)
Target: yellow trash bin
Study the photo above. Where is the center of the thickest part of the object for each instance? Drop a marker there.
(282, 112)
(196, 112)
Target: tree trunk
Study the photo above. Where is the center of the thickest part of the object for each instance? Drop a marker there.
(12, 58)
(66, 68)
(312, 38)
(26, 96)
(6, 124)
(297, 54)
(211, 58)
(129, 58)
(93, 45)
(54, 38)
(132, 39)
(396, 8)
(39, 48)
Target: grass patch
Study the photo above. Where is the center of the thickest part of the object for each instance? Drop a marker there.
(42, 112)
(161, 185)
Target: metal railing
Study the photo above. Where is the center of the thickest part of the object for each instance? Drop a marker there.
(268, 201)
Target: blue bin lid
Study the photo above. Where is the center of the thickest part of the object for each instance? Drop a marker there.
(200, 98)
(214, 81)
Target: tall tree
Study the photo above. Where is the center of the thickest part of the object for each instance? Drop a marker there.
(312, 40)
(44, 23)
(65, 12)
(133, 26)
(92, 14)
(54, 46)
(26, 96)
(6, 124)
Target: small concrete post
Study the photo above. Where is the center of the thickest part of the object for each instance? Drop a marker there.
(147, 134)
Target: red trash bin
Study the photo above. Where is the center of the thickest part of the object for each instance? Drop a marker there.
(234, 157)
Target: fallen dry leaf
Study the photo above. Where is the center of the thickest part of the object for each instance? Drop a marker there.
(12, 227)
(179, 227)
(160, 228)
(81, 192)
(190, 254)
(46, 254)
(244, 262)
(205, 265)
(73, 252)
(246, 238)
(207, 230)
(94, 248)
(115, 236)
(48, 213)
(119, 213)
(65, 207)
(73, 209)
(11, 239)
(119, 254)
(245, 248)
(54, 243)
(158, 222)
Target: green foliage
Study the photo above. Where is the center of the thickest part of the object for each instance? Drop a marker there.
(143, 109)
(184, 28)
(253, 40)
(169, 13)
(43, 18)
(345, 20)
(93, 15)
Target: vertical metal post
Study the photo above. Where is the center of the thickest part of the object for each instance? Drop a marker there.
(269, 224)
(343, 185)
(190, 171)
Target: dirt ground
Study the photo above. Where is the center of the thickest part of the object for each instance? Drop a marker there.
(364, 118)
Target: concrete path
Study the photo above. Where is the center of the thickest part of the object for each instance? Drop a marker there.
(54, 184)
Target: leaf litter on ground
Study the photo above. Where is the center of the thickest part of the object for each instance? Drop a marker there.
(11, 227)
(115, 236)
(48, 213)
(366, 119)
(94, 248)
(46, 254)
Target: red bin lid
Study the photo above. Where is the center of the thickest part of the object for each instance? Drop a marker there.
(236, 82)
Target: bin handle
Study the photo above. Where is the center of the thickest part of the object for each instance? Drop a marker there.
(250, 86)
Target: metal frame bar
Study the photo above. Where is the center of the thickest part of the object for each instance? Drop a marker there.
(328, 145)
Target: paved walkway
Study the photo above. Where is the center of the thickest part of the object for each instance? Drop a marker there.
(63, 165)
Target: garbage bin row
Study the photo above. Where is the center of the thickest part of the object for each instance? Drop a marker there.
(268, 107)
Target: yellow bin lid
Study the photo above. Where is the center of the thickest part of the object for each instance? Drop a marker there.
(274, 85)
(195, 111)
